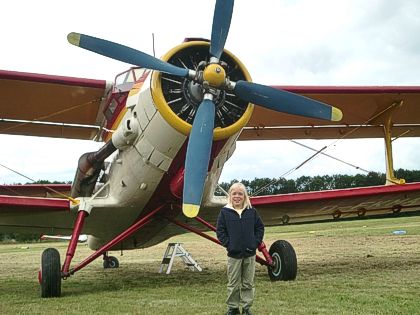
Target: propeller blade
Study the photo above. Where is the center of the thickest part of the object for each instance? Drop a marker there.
(286, 102)
(124, 54)
(198, 157)
(221, 24)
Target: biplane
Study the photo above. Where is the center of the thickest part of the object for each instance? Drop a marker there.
(168, 126)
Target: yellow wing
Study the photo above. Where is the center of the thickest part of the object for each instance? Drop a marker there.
(51, 106)
(365, 110)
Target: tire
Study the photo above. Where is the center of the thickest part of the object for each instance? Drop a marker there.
(50, 273)
(285, 261)
(111, 262)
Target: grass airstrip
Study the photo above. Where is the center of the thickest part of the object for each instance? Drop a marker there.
(344, 267)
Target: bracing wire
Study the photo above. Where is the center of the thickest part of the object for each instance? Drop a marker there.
(321, 151)
(43, 185)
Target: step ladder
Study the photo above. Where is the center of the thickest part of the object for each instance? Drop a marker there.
(176, 250)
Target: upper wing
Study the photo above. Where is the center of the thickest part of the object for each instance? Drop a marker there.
(51, 106)
(310, 206)
(365, 110)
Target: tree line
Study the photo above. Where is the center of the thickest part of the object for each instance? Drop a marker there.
(273, 186)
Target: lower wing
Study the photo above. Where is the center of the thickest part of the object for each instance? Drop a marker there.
(40, 211)
(334, 204)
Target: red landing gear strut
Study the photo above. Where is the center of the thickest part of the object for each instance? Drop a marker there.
(71, 249)
(124, 235)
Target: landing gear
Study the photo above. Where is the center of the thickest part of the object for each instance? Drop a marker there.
(50, 274)
(285, 262)
(111, 262)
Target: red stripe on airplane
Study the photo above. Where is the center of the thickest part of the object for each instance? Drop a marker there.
(55, 79)
(348, 89)
(26, 203)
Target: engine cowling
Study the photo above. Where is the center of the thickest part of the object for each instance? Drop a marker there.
(177, 99)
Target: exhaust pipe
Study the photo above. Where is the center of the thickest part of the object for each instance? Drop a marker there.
(89, 167)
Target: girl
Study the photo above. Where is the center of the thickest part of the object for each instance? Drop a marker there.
(241, 231)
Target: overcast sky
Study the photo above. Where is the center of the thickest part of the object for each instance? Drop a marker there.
(280, 42)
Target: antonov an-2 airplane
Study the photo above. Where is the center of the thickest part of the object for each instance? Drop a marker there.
(168, 126)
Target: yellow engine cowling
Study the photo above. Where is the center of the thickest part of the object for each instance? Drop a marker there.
(177, 99)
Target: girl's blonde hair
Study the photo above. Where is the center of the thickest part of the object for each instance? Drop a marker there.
(247, 202)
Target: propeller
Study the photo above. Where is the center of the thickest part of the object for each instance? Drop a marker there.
(212, 78)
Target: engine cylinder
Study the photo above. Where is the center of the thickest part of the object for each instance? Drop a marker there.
(177, 99)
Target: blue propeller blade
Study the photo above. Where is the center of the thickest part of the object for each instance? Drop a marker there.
(124, 54)
(221, 24)
(286, 102)
(198, 157)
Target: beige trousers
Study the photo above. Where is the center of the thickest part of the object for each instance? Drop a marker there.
(240, 287)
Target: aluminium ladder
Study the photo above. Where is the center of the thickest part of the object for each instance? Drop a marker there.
(176, 250)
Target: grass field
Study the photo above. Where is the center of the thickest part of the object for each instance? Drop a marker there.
(352, 267)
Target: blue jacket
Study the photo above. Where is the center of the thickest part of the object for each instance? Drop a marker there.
(241, 235)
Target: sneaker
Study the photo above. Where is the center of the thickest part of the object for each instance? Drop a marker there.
(246, 311)
(233, 311)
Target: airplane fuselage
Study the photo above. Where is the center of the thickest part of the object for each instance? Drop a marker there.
(146, 171)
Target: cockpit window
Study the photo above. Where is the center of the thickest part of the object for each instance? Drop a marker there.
(125, 80)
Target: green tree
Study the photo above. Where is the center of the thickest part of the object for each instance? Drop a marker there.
(409, 176)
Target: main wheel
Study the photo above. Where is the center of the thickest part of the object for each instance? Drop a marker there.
(50, 277)
(285, 261)
(111, 262)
